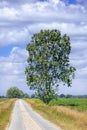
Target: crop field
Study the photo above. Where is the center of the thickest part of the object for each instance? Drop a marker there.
(6, 106)
(79, 104)
(69, 114)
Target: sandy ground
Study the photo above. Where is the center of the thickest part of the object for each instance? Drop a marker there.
(29, 123)
(24, 118)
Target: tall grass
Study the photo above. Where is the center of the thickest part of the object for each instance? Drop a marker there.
(5, 112)
(63, 116)
(3, 99)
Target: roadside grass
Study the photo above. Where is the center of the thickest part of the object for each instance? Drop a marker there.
(65, 117)
(2, 99)
(5, 112)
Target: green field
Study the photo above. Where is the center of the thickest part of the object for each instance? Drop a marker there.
(68, 113)
(79, 104)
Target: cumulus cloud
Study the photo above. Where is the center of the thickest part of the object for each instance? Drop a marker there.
(15, 62)
(14, 36)
(78, 88)
(12, 70)
(17, 24)
(19, 19)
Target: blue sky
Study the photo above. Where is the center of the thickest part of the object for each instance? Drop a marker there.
(20, 19)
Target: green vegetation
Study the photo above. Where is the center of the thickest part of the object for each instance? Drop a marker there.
(14, 92)
(38, 101)
(6, 107)
(75, 103)
(3, 99)
(48, 63)
(64, 116)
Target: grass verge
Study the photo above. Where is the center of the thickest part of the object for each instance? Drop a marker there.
(5, 112)
(66, 118)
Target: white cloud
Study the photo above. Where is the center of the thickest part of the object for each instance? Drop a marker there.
(14, 21)
(79, 87)
(14, 36)
(3, 3)
(12, 70)
(18, 23)
(20, 19)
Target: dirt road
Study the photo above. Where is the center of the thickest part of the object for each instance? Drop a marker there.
(24, 118)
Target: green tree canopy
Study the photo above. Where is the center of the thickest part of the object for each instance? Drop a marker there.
(26, 95)
(14, 92)
(48, 63)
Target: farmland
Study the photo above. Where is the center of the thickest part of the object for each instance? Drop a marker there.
(69, 114)
(6, 106)
(79, 104)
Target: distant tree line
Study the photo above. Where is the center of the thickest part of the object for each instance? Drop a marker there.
(63, 96)
(14, 92)
(25, 95)
(72, 96)
(2, 96)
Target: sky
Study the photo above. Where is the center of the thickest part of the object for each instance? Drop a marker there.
(20, 19)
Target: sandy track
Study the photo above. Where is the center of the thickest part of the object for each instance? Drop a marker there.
(29, 123)
(24, 118)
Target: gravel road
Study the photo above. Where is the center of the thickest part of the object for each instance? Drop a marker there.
(25, 118)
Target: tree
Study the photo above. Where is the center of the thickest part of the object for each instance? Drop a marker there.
(48, 63)
(14, 92)
(26, 95)
(68, 96)
(62, 96)
(34, 95)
